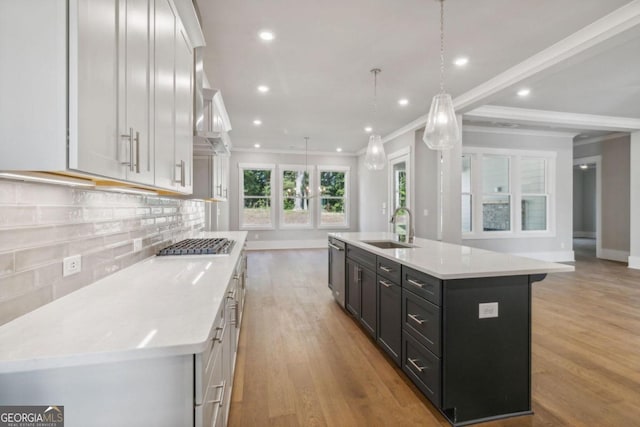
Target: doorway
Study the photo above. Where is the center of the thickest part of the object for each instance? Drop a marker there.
(587, 226)
(399, 188)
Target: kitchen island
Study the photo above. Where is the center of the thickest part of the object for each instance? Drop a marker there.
(455, 319)
(153, 344)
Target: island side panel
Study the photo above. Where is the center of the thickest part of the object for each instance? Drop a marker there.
(486, 352)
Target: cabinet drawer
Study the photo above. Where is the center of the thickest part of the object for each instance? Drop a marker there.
(211, 408)
(423, 367)
(421, 319)
(364, 258)
(422, 284)
(204, 361)
(389, 269)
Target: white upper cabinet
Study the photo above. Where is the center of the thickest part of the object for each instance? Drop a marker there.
(173, 111)
(211, 176)
(105, 90)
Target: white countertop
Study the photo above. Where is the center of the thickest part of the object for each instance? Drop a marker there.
(161, 306)
(449, 261)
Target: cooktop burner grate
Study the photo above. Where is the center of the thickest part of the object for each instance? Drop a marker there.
(217, 246)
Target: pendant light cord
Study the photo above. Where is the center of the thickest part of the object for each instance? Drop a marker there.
(375, 72)
(442, 46)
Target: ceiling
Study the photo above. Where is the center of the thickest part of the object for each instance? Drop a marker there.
(318, 66)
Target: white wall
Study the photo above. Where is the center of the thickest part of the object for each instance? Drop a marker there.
(560, 246)
(289, 238)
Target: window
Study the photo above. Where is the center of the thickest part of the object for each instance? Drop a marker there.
(399, 189)
(296, 204)
(512, 193)
(467, 200)
(256, 201)
(534, 193)
(333, 197)
(496, 200)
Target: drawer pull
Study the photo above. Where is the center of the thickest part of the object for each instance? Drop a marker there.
(220, 398)
(386, 269)
(415, 365)
(385, 283)
(223, 329)
(416, 319)
(338, 248)
(416, 283)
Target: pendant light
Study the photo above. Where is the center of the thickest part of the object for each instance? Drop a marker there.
(375, 157)
(441, 131)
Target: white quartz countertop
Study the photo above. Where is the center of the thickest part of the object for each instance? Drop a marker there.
(161, 306)
(449, 261)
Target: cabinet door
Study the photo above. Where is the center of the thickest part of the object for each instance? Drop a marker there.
(369, 299)
(164, 99)
(389, 334)
(93, 75)
(353, 288)
(184, 114)
(136, 146)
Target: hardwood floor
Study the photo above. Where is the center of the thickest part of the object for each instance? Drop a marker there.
(302, 361)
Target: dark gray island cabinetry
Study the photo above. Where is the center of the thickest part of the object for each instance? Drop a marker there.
(462, 337)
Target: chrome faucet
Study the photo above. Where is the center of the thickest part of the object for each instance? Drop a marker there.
(411, 230)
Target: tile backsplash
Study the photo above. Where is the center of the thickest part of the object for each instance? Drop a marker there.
(41, 224)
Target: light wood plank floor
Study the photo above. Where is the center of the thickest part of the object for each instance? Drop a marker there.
(302, 361)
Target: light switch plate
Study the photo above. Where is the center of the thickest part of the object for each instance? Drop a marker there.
(487, 310)
(137, 245)
(71, 265)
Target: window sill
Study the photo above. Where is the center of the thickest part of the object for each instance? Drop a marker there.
(256, 228)
(508, 235)
(334, 227)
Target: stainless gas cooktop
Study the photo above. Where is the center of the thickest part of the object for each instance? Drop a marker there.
(218, 246)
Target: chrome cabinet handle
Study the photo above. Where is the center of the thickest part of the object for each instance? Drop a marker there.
(137, 152)
(414, 283)
(224, 330)
(225, 193)
(182, 179)
(221, 396)
(219, 187)
(130, 138)
(385, 283)
(386, 269)
(337, 248)
(416, 319)
(415, 365)
(237, 313)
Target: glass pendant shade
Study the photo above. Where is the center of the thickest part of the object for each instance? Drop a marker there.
(375, 158)
(441, 132)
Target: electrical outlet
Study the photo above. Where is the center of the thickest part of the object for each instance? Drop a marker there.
(71, 265)
(425, 212)
(137, 245)
(487, 310)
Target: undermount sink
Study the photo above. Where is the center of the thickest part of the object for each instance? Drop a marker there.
(388, 244)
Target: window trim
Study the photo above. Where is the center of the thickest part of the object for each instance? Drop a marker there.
(255, 166)
(312, 203)
(515, 193)
(347, 197)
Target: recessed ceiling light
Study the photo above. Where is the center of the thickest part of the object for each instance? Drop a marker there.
(266, 35)
(257, 122)
(256, 145)
(339, 150)
(263, 89)
(524, 92)
(461, 61)
(584, 167)
(403, 101)
(368, 129)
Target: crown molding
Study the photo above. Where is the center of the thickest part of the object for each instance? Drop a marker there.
(509, 131)
(303, 152)
(595, 139)
(555, 118)
(409, 127)
(605, 28)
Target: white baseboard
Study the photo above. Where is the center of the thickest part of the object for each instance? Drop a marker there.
(634, 262)
(265, 245)
(614, 255)
(556, 256)
(584, 234)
